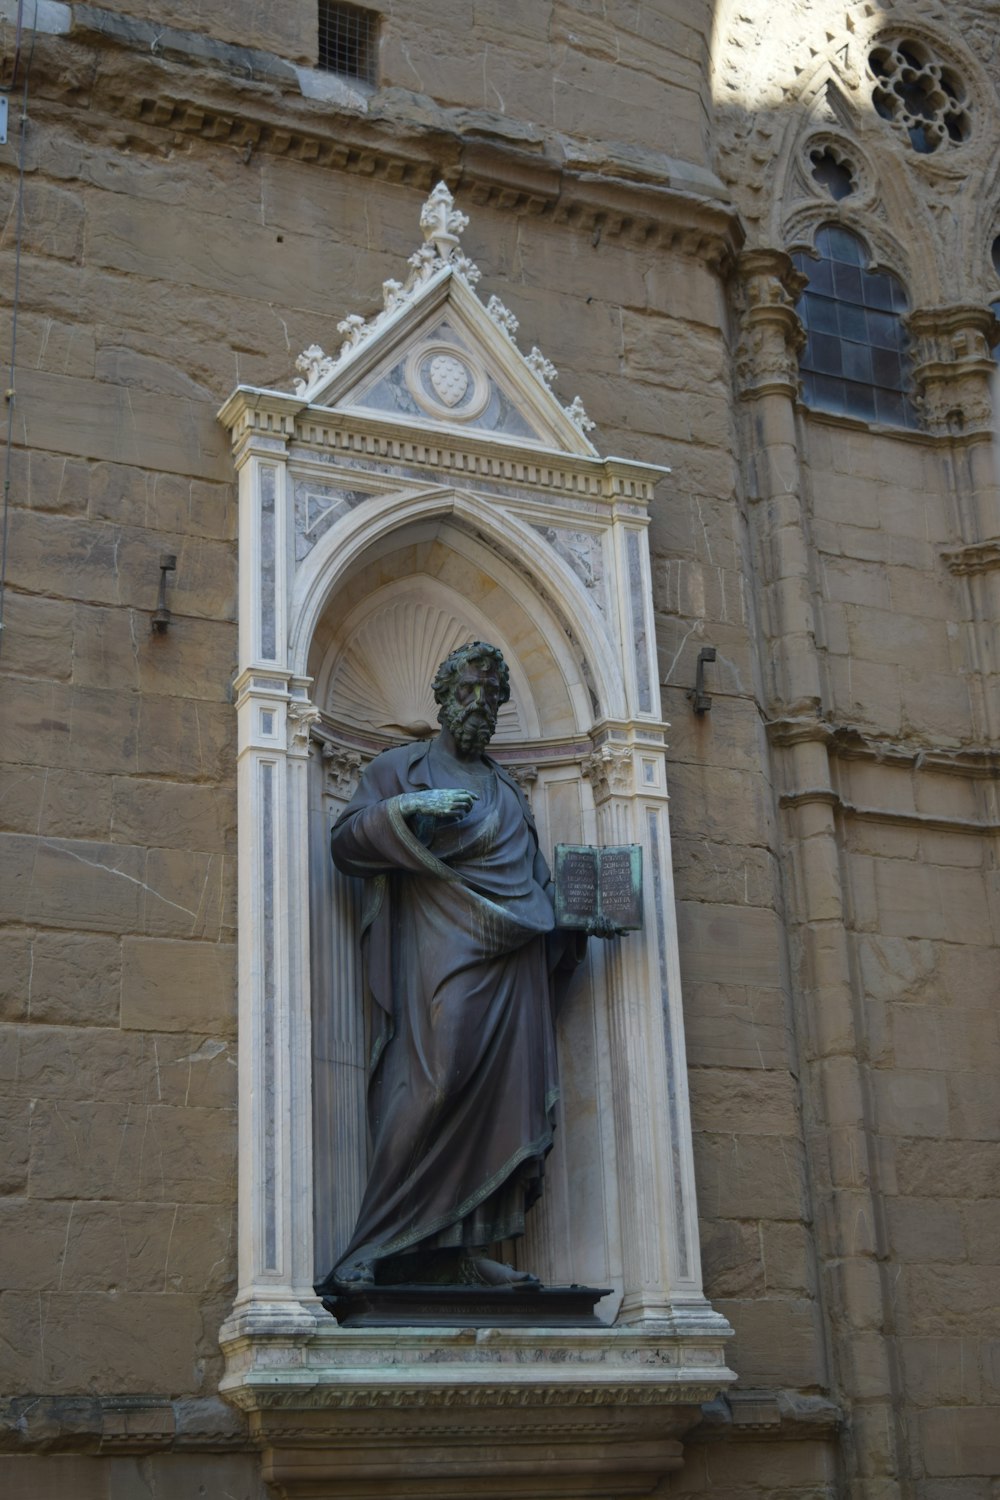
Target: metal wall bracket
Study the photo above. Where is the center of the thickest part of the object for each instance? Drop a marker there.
(161, 616)
(701, 702)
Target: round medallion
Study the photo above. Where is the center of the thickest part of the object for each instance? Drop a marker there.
(447, 382)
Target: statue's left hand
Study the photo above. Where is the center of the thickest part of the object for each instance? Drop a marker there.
(444, 805)
(603, 927)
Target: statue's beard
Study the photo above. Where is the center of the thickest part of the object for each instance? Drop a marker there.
(471, 728)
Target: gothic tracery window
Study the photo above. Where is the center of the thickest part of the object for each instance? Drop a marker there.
(833, 171)
(855, 359)
(918, 95)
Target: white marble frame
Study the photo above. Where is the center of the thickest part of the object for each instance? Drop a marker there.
(279, 607)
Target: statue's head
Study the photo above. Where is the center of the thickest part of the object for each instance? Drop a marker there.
(471, 685)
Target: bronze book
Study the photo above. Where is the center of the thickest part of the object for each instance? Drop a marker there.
(598, 880)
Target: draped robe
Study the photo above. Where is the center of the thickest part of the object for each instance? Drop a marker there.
(458, 942)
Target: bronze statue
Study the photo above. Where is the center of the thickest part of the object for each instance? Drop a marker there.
(461, 956)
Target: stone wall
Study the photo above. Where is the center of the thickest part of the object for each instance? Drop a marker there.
(608, 72)
(917, 850)
(186, 229)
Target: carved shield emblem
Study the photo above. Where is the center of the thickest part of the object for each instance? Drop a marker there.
(449, 379)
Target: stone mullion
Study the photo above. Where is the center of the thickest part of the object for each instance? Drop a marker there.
(837, 1109)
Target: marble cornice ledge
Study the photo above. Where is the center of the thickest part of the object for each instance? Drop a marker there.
(421, 454)
(189, 84)
(331, 1367)
(439, 1412)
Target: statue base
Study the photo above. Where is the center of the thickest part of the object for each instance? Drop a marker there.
(436, 1306)
(439, 1413)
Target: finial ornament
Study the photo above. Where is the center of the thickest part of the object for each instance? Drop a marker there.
(502, 317)
(442, 222)
(540, 366)
(578, 416)
(315, 365)
(356, 329)
(442, 225)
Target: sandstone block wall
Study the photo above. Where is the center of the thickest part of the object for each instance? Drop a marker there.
(607, 71)
(918, 853)
(164, 259)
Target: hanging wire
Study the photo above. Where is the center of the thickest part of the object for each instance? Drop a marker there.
(15, 301)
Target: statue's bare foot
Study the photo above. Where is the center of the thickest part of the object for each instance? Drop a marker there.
(495, 1273)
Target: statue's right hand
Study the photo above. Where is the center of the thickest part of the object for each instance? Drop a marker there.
(445, 806)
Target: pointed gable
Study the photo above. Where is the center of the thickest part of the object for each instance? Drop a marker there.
(437, 357)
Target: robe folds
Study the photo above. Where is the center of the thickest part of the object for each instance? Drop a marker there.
(459, 947)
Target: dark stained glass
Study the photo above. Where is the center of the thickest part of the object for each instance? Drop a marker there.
(841, 245)
(823, 314)
(857, 360)
(823, 352)
(852, 322)
(854, 361)
(878, 290)
(847, 282)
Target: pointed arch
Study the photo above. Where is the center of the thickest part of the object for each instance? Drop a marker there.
(554, 599)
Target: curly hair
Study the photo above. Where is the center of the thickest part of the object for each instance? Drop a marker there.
(453, 664)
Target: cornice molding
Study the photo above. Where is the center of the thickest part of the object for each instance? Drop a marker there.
(767, 1415)
(120, 1423)
(849, 742)
(809, 796)
(195, 88)
(255, 414)
(977, 557)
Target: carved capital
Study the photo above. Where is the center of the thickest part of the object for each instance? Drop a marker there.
(771, 336)
(952, 368)
(525, 775)
(341, 770)
(302, 715)
(609, 771)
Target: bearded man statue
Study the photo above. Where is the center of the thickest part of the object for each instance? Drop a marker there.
(461, 956)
